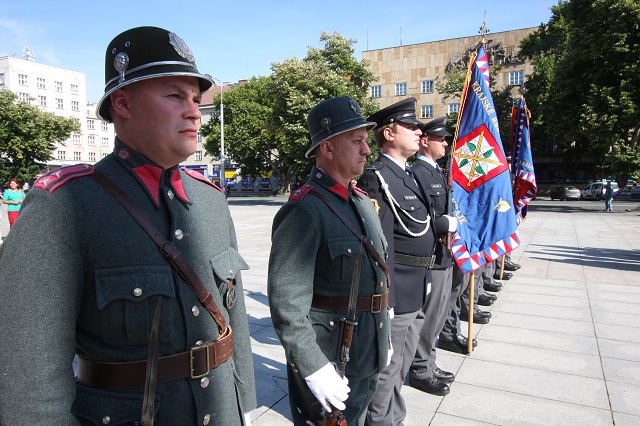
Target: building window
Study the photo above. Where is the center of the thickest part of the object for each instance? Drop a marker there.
(41, 83)
(91, 140)
(90, 125)
(59, 103)
(105, 141)
(198, 155)
(62, 155)
(22, 80)
(453, 108)
(58, 86)
(75, 106)
(199, 137)
(105, 126)
(516, 78)
(23, 97)
(426, 86)
(42, 100)
(401, 89)
(74, 89)
(92, 156)
(426, 111)
(376, 91)
(76, 139)
(1, 78)
(77, 155)
(104, 154)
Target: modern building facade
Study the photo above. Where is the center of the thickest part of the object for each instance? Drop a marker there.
(64, 93)
(415, 69)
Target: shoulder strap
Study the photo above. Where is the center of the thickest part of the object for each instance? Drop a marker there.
(368, 244)
(168, 250)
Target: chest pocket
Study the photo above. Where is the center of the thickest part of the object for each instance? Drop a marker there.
(226, 266)
(342, 255)
(126, 299)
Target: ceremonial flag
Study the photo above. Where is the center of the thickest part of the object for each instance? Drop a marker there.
(525, 187)
(482, 197)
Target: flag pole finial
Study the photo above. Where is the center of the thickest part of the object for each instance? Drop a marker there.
(483, 29)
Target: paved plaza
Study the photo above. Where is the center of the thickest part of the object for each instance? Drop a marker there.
(562, 347)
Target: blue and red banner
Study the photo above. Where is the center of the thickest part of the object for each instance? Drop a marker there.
(525, 187)
(482, 196)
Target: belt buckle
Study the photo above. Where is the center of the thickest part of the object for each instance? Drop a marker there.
(191, 352)
(373, 298)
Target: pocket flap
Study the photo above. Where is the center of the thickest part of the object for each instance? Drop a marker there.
(134, 283)
(228, 263)
(344, 246)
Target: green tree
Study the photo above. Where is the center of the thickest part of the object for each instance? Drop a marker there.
(265, 120)
(585, 89)
(28, 136)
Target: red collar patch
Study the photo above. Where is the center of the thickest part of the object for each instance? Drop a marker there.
(150, 176)
(300, 193)
(200, 177)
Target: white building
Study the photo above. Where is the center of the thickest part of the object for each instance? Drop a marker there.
(63, 92)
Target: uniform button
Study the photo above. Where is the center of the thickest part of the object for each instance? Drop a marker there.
(381, 325)
(206, 419)
(195, 311)
(331, 323)
(170, 194)
(412, 208)
(231, 271)
(204, 382)
(349, 251)
(199, 343)
(377, 264)
(137, 292)
(179, 234)
(106, 420)
(381, 284)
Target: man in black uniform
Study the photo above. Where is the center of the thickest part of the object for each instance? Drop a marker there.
(313, 256)
(406, 222)
(425, 374)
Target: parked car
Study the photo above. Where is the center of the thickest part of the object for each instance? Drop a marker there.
(628, 193)
(593, 191)
(564, 192)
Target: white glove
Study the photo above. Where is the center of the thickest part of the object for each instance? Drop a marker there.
(453, 223)
(390, 353)
(391, 314)
(247, 419)
(328, 387)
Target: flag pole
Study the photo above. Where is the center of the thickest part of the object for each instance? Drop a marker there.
(470, 315)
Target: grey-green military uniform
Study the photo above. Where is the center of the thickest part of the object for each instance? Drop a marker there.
(79, 275)
(313, 253)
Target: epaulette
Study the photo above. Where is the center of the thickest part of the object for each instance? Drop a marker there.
(360, 190)
(300, 193)
(58, 177)
(200, 177)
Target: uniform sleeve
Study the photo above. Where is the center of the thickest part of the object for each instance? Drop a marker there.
(42, 275)
(242, 342)
(294, 245)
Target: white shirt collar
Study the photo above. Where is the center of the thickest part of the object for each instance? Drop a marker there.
(402, 166)
(428, 160)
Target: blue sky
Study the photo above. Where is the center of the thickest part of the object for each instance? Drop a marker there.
(232, 41)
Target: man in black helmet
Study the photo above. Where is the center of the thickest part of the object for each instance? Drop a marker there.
(314, 252)
(96, 277)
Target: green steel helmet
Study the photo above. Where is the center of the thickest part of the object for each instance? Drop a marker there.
(143, 53)
(332, 117)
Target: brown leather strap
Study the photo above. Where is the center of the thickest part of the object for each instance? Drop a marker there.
(168, 250)
(193, 364)
(366, 242)
(374, 303)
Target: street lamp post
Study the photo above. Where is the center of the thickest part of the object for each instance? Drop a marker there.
(223, 180)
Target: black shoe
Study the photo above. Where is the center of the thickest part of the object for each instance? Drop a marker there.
(458, 345)
(479, 317)
(495, 287)
(443, 376)
(505, 276)
(511, 266)
(430, 385)
(486, 299)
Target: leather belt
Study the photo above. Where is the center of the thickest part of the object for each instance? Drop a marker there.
(374, 303)
(193, 364)
(405, 259)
